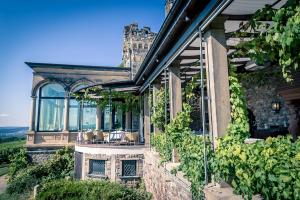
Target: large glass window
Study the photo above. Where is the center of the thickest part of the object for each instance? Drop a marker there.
(89, 116)
(118, 118)
(51, 108)
(82, 116)
(74, 115)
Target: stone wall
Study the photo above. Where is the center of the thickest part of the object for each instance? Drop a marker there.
(161, 183)
(113, 167)
(41, 156)
(259, 99)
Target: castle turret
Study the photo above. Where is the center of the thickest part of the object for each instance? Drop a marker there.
(136, 44)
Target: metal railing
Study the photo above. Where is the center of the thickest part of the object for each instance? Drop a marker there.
(125, 138)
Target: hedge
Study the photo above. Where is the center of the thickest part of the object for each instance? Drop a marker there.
(82, 190)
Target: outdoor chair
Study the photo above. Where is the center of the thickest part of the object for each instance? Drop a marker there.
(98, 135)
(132, 138)
(88, 137)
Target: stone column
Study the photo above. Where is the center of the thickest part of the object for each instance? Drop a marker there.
(31, 130)
(66, 114)
(32, 114)
(128, 120)
(98, 118)
(156, 88)
(146, 119)
(217, 72)
(65, 133)
(175, 97)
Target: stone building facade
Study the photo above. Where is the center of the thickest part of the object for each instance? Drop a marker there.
(115, 162)
(136, 44)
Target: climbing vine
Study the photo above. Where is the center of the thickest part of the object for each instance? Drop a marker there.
(177, 134)
(270, 168)
(158, 109)
(277, 42)
(126, 101)
(239, 125)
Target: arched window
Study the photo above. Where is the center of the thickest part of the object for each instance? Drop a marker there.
(146, 46)
(51, 107)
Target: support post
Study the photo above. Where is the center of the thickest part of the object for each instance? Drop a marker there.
(98, 118)
(65, 133)
(217, 74)
(146, 119)
(175, 97)
(128, 120)
(31, 130)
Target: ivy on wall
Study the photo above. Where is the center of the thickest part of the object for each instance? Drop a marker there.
(270, 168)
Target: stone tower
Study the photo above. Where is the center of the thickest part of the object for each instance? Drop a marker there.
(168, 6)
(136, 44)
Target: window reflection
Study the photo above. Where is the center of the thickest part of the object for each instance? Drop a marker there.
(51, 108)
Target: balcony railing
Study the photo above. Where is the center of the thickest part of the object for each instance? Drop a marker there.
(116, 137)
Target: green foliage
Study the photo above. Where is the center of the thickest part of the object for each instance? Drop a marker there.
(190, 147)
(128, 101)
(71, 190)
(270, 168)
(280, 42)
(163, 145)
(239, 125)
(260, 77)
(158, 109)
(60, 165)
(18, 161)
(10, 148)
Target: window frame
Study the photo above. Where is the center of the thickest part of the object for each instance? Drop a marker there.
(90, 172)
(40, 98)
(136, 168)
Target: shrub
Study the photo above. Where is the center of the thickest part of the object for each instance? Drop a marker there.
(71, 190)
(270, 168)
(17, 162)
(10, 148)
(61, 165)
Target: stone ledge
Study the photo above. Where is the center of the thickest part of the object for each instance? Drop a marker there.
(223, 192)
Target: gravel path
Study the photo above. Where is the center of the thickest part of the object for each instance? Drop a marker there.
(3, 183)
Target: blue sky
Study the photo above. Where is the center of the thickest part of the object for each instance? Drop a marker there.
(61, 31)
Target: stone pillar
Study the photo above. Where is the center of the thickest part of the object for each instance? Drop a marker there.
(65, 133)
(32, 114)
(98, 118)
(175, 97)
(156, 88)
(217, 72)
(146, 119)
(66, 114)
(128, 120)
(31, 130)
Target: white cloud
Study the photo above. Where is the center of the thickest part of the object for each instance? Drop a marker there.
(3, 115)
